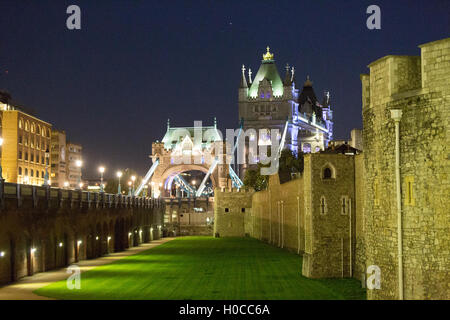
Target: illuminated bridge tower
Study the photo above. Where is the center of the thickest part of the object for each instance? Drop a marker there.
(267, 101)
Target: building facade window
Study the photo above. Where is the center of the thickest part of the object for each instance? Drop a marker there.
(345, 205)
(20, 171)
(306, 148)
(328, 172)
(409, 189)
(323, 205)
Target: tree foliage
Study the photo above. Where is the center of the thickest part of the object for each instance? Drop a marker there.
(289, 164)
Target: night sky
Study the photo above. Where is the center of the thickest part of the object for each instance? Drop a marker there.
(113, 84)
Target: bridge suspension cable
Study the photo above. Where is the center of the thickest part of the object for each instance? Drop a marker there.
(237, 183)
(147, 177)
(205, 179)
(184, 184)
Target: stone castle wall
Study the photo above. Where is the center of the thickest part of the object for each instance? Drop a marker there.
(336, 243)
(45, 228)
(230, 208)
(289, 215)
(420, 87)
(330, 216)
(359, 263)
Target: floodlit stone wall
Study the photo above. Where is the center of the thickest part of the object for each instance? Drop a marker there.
(420, 87)
(330, 216)
(289, 215)
(46, 228)
(230, 208)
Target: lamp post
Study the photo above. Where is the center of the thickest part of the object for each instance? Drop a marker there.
(79, 163)
(193, 184)
(145, 191)
(46, 176)
(133, 179)
(101, 169)
(119, 175)
(1, 170)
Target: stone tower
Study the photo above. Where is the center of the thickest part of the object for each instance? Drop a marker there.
(406, 103)
(267, 101)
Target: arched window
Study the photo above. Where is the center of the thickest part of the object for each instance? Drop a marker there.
(43, 132)
(31, 173)
(306, 148)
(26, 171)
(37, 174)
(20, 124)
(33, 127)
(27, 125)
(48, 133)
(38, 131)
(20, 171)
(327, 174)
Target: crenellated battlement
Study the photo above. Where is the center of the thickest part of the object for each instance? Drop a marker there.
(395, 77)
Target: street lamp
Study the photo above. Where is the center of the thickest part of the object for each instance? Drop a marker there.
(66, 184)
(101, 169)
(133, 178)
(152, 190)
(79, 163)
(145, 191)
(119, 175)
(1, 170)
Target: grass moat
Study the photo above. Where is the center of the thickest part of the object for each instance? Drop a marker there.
(206, 268)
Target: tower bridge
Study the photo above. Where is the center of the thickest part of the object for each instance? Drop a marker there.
(187, 149)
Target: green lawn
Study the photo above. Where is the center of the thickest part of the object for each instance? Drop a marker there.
(206, 268)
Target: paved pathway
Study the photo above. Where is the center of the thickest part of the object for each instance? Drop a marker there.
(23, 288)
